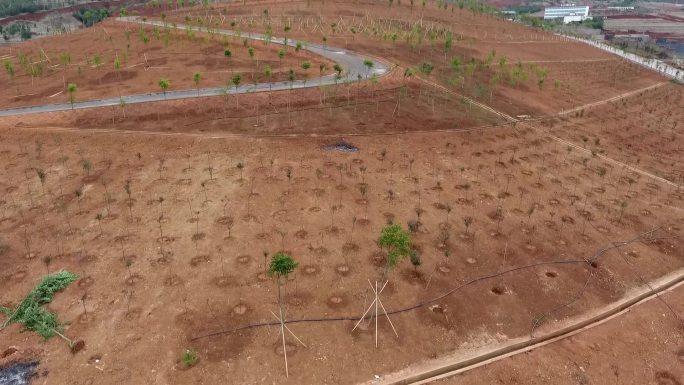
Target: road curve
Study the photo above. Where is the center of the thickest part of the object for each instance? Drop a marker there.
(351, 62)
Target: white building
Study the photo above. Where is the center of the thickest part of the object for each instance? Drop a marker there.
(568, 14)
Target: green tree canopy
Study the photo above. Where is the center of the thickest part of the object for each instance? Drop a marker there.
(282, 264)
(397, 242)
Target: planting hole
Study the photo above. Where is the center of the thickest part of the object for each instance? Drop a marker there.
(95, 359)
(498, 290)
(77, 346)
(240, 309)
(342, 270)
(9, 351)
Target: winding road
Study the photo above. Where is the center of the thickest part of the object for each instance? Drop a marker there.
(351, 62)
(353, 65)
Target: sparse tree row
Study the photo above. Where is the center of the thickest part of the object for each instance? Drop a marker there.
(440, 208)
(655, 128)
(201, 235)
(447, 52)
(133, 48)
(436, 45)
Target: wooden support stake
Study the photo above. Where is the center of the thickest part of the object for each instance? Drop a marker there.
(376, 314)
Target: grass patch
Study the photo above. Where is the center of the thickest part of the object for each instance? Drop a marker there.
(189, 358)
(30, 312)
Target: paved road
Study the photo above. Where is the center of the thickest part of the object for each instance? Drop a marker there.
(351, 62)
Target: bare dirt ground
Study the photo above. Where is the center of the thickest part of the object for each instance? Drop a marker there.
(482, 198)
(643, 130)
(644, 346)
(394, 106)
(189, 278)
(172, 54)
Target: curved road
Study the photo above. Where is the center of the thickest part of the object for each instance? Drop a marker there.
(351, 62)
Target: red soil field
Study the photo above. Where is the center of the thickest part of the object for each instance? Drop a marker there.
(617, 349)
(474, 37)
(241, 181)
(176, 57)
(643, 130)
(365, 109)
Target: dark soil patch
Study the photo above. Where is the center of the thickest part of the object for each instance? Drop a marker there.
(498, 290)
(341, 146)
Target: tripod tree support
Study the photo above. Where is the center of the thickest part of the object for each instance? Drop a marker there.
(281, 265)
(397, 242)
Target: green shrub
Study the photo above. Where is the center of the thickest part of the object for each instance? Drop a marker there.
(189, 358)
(30, 311)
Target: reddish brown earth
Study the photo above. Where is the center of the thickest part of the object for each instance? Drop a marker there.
(166, 299)
(176, 58)
(473, 36)
(643, 346)
(644, 130)
(365, 109)
(191, 273)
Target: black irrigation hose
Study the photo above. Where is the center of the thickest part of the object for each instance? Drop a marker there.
(589, 260)
(397, 311)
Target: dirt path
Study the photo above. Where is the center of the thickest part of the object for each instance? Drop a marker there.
(578, 108)
(610, 100)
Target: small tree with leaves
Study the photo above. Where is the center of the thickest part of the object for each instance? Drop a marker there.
(369, 65)
(268, 72)
(71, 88)
(305, 66)
(197, 78)
(9, 68)
(281, 266)
(122, 104)
(236, 79)
(281, 56)
(397, 242)
(164, 84)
